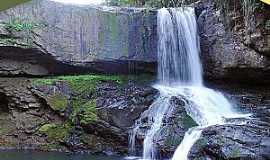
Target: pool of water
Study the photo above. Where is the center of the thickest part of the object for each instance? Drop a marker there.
(32, 155)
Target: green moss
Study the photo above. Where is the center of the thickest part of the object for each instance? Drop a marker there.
(235, 153)
(173, 141)
(267, 24)
(55, 132)
(82, 83)
(8, 41)
(188, 122)
(19, 25)
(88, 113)
(82, 86)
(202, 142)
(46, 127)
(58, 102)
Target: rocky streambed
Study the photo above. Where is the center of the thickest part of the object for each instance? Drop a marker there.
(95, 114)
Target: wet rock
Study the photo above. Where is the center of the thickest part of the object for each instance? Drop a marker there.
(247, 141)
(233, 142)
(175, 123)
(121, 107)
(225, 52)
(34, 114)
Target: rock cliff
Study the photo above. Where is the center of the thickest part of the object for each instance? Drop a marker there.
(46, 37)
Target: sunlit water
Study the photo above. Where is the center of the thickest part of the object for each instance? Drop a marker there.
(180, 74)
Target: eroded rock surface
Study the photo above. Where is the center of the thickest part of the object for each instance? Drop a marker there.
(44, 37)
(60, 114)
(234, 46)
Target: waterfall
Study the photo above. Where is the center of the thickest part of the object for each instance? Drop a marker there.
(178, 58)
(180, 73)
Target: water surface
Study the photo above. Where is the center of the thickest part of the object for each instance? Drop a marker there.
(32, 155)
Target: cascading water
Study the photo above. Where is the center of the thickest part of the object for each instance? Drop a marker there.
(180, 73)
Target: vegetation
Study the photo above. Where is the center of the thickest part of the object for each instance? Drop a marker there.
(188, 122)
(83, 83)
(58, 102)
(20, 32)
(83, 99)
(18, 25)
(150, 3)
(267, 25)
(88, 112)
(55, 132)
(21, 25)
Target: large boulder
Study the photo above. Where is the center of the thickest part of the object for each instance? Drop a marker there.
(44, 37)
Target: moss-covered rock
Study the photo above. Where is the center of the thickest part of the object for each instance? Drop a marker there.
(58, 101)
(55, 132)
(88, 112)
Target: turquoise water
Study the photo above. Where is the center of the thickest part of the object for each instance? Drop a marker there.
(31, 155)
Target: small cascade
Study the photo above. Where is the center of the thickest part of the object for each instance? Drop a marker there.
(180, 74)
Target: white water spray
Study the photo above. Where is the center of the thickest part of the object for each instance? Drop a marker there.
(180, 73)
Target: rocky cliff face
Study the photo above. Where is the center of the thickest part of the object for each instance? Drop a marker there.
(75, 113)
(51, 37)
(234, 40)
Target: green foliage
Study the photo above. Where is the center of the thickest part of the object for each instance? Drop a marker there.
(202, 142)
(46, 127)
(19, 25)
(173, 140)
(235, 153)
(86, 83)
(58, 102)
(267, 24)
(150, 3)
(88, 112)
(84, 109)
(56, 132)
(8, 41)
